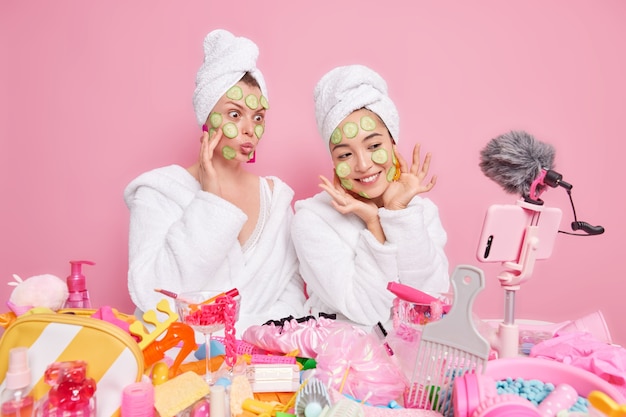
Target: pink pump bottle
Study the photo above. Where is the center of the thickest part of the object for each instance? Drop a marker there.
(77, 286)
(16, 399)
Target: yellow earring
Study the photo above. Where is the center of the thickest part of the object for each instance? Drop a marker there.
(396, 175)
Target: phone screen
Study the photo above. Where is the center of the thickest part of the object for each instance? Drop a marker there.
(504, 228)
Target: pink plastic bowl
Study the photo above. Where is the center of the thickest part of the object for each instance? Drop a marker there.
(551, 371)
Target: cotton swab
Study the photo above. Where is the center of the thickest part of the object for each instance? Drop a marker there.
(343, 380)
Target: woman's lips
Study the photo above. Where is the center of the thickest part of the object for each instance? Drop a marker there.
(370, 179)
(246, 148)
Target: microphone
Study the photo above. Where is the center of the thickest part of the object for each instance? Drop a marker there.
(514, 160)
(522, 165)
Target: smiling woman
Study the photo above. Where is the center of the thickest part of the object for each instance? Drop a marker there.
(369, 226)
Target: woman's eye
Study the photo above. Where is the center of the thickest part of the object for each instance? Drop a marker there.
(258, 118)
(233, 114)
(343, 155)
(375, 146)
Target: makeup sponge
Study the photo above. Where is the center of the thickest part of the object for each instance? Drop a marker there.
(174, 395)
(37, 291)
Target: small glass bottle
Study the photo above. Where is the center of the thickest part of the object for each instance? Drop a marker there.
(16, 399)
(71, 391)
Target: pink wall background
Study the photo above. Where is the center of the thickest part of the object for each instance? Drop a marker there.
(94, 93)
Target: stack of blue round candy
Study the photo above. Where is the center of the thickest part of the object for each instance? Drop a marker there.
(535, 391)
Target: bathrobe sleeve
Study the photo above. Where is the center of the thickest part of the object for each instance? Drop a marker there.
(176, 234)
(420, 238)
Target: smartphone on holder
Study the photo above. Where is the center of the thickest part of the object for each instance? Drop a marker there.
(504, 228)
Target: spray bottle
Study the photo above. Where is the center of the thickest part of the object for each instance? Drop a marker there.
(16, 399)
(78, 295)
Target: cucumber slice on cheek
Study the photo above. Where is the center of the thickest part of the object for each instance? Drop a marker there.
(215, 119)
(258, 131)
(380, 156)
(228, 152)
(342, 169)
(230, 130)
(391, 173)
(346, 183)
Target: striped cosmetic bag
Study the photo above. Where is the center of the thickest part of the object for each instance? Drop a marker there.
(114, 359)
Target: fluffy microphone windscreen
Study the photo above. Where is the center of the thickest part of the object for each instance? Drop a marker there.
(514, 160)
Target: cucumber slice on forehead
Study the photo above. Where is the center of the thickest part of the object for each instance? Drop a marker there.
(342, 169)
(228, 152)
(379, 156)
(346, 183)
(215, 119)
(258, 131)
(234, 93)
(252, 101)
(335, 138)
(350, 129)
(230, 130)
(391, 173)
(367, 123)
(264, 103)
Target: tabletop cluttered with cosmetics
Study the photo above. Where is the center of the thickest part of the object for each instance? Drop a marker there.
(433, 357)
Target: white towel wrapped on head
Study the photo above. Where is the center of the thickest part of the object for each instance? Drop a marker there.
(346, 89)
(226, 59)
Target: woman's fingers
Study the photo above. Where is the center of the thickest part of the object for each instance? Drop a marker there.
(415, 167)
(209, 144)
(425, 166)
(432, 183)
(335, 191)
(401, 160)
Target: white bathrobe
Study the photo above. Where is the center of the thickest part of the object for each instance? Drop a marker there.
(346, 269)
(182, 239)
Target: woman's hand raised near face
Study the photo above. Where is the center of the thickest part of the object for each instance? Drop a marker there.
(207, 175)
(411, 182)
(345, 202)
